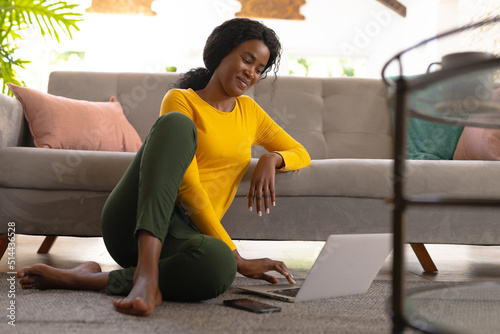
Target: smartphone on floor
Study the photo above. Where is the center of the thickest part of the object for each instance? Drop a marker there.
(251, 305)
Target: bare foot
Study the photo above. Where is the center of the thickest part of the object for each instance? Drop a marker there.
(143, 298)
(145, 294)
(82, 277)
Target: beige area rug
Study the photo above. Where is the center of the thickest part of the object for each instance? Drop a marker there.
(63, 311)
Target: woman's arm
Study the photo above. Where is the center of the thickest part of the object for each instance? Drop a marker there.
(275, 139)
(201, 212)
(286, 154)
(198, 205)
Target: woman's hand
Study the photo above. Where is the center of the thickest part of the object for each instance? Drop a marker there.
(257, 268)
(262, 183)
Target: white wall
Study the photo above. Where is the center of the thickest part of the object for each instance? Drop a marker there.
(176, 36)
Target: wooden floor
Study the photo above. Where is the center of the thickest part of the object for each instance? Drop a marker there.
(456, 263)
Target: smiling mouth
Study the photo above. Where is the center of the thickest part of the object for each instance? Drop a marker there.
(243, 82)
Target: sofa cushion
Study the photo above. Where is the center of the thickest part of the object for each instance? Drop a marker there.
(37, 168)
(373, 178)
(357, 120)
(331, 117)
(296, 104)
(48, 169)
(63, 123)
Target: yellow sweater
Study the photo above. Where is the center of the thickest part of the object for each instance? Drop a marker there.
(223, 154)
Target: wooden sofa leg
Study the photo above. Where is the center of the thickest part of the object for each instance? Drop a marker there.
(46, 244)
(4, 242)
(424, 258)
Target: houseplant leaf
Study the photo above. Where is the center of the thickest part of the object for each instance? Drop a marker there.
(49, 17)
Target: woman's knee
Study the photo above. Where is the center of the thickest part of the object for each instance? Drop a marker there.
(216, 262)
(221, 262)
(178, 124)
(208, 270)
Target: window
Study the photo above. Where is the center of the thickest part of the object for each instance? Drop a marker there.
(322, 66)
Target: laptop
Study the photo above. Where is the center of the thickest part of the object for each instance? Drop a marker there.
(347, 265)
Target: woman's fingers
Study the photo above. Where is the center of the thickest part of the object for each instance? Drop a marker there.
(281, 268)
(258, 268)
(261, 193)
(273, 195)
(250, 197)
(264, 195)
(258, 199)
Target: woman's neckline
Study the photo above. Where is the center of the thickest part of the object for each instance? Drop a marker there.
(211, 106)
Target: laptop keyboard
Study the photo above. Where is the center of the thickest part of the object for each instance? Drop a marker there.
(292, 292)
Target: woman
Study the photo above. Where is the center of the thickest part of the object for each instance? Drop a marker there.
(162, 220)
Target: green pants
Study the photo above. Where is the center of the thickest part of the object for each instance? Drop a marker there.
(192, 266)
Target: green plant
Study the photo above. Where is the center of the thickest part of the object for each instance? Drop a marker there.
(304, 62)
(47, 17)
(347, 69)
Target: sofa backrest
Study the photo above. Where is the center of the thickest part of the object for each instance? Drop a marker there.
(331, 117)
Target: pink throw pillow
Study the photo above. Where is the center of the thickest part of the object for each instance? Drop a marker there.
(479, 143)
(60, 122)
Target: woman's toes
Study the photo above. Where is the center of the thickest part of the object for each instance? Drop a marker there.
(27, 280)
(23, 272)
(122, 304)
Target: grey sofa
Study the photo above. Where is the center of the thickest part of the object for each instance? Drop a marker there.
(344, 123)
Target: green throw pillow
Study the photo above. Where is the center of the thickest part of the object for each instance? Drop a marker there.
(430, 140)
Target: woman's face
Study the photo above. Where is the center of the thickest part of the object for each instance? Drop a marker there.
(242, 67)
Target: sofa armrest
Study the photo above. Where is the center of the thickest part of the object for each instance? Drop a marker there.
(12, 123)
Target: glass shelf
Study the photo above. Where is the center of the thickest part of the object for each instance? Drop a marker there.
(469, 96)
(465, 94)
